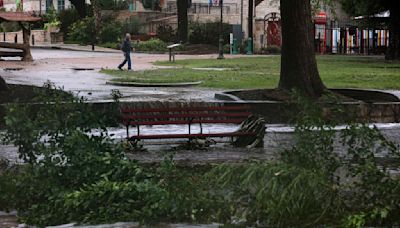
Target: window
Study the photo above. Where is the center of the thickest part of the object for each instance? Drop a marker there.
(60, 5)
(49, 4)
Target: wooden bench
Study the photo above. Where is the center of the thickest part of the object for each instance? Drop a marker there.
(185, 116)
(171, 53)
(11, 54)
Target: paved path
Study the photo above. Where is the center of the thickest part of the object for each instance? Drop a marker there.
(58, 66)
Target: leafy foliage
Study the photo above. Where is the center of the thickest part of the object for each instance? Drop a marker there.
(51, 17)
(273, 49)
(9, 27)
(278, 195)
(151, 4)
(111, 32)
(152, 45)
(67, 18)
(207, 33)
(364, 7)
(83, 31)
(113, 5)
(166, 33)
(85, 176)
(133, 25)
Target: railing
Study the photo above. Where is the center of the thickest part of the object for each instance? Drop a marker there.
(204, 8)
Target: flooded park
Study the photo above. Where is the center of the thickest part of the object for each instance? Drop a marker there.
(163, 115)
(81, 72)
(182, 114)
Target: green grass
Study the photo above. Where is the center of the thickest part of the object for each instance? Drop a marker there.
(263, 72)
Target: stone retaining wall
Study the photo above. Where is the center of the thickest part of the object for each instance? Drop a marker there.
(39, 37)
(276, 112)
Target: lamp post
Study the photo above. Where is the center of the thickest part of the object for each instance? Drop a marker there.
(221, 39)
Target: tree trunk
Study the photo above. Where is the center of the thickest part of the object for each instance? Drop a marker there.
(182, 6)
(26, 35)
(3, 84)
(250, 18)
(97, 18)
(394, 31)
(80, 7)
(298, 64)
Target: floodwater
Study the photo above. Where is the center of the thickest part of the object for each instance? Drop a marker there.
(276, 139)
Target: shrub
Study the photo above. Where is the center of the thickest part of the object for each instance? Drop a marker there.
(273, 49)
(111, 32)
(227, 48)
(9, 27)
(152, 45)
(85, 177)
(208, 33)
(83, 31)
(113, 5)
(111, 45)
(276, 195)
(151, 4)
(166, 33)
(67, 18)
(51, 16)
(133, 25)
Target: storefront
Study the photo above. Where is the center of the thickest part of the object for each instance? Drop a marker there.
(320, 21)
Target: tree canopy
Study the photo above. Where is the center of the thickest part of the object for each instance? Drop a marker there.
(364, 7)
(371, 7)
(80, 6)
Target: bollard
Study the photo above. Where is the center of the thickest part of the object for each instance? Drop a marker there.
(234, 47)
(250, 46)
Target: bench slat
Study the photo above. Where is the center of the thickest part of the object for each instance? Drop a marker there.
(232, 114)
(207, 135)
(186, 116)
(187, 109)
(11, 54)
(167, 122)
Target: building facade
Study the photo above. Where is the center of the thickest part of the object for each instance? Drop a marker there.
(36, 6)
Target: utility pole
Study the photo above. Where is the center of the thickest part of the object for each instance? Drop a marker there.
(221, 38)
(250, 28)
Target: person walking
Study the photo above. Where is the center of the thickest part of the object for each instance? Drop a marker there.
(126, 48)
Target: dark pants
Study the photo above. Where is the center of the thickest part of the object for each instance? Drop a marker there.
(127, 59)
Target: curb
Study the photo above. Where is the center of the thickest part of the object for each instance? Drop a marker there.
(74, 49)
(139, 84)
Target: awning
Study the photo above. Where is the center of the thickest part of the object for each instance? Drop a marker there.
(320, 18)
(18, 17)
(378, 15)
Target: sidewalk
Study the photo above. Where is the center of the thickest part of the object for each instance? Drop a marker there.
(74, 47)
(64, 69)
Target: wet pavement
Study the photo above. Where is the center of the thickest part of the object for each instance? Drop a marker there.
(276, 139)
(78, 71)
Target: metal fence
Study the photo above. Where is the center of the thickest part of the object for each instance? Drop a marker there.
(351, 41)
(204, 8)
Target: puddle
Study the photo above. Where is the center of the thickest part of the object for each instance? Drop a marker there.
(83, 69)
(13, 69)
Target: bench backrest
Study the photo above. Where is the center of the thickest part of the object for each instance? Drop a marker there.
(185, 115)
